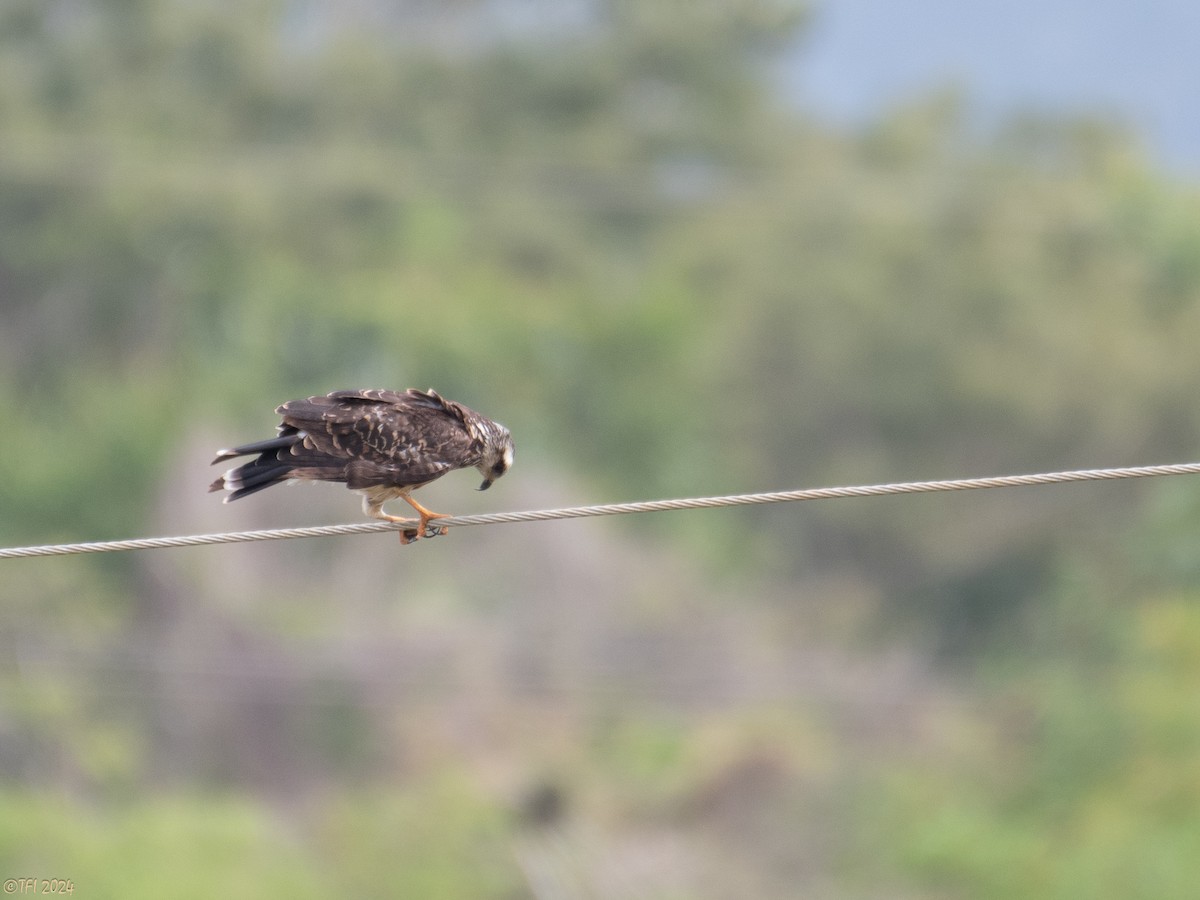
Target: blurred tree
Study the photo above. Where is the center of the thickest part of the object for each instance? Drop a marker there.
(601, 222)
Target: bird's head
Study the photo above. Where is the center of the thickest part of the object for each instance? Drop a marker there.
(497, 456)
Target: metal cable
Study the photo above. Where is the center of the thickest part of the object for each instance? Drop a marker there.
(611, 509)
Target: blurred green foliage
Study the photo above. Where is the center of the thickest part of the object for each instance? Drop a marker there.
(192, 847)
(440, 842)
(611, 233)
(1106, 789)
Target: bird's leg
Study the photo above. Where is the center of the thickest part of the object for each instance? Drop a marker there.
(425, 516)
(373, 507)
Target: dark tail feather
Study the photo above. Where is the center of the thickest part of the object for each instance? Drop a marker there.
(275, 443)
(257, 474)
(263, 480)
(278, 461)
(251, 477)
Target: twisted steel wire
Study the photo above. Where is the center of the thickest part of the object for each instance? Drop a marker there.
(611, 509)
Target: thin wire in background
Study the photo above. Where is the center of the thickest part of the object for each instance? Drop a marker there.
(612, 509)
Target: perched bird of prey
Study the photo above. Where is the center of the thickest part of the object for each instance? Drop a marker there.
(383, 444)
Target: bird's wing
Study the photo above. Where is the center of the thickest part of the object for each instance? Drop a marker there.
(383, 437)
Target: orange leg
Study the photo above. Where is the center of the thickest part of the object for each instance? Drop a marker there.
(407, 537)
(373, 506)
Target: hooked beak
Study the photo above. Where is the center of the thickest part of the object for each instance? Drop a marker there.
(487, 483)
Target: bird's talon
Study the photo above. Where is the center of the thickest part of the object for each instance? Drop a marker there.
(408, 535)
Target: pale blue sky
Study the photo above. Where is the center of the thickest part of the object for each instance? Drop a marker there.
(1138, 61)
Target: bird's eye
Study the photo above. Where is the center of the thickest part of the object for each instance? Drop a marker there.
(499, 468)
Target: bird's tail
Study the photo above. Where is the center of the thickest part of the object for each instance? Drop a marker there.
(258, 474)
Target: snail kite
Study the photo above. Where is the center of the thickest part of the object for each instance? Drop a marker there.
(383, 444)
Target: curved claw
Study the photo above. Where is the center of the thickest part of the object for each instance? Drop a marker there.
(424, 529)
